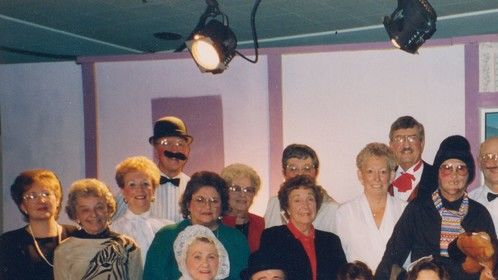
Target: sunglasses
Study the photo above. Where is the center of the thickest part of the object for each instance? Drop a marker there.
(447, 169)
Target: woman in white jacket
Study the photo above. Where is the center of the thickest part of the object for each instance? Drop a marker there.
(365, 223)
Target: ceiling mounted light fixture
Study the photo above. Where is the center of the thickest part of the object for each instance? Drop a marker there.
(411, 24)
(213, 47)
(213, 44)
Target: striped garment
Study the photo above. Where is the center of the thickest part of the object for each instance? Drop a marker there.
(451, 221)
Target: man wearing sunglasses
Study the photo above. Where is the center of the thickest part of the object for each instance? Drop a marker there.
(414, 177)
(430, 224)
(487, 194)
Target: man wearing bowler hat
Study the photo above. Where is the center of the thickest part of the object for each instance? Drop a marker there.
(263, 266)
(171, 143)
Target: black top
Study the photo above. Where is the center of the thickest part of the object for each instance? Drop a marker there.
(418, 231)
(279, 243)
(244, 228)
(19, 258)
(107, 233)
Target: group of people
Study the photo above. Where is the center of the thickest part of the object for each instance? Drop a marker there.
(166, 225)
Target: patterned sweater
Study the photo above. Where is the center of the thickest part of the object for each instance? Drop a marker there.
(107, 256)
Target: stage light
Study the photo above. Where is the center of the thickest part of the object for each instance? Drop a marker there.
(411, 24)
(213, 47)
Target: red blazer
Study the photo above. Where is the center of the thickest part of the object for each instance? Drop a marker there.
(256, 227)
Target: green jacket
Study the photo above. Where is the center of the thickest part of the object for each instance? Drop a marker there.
(161, 263)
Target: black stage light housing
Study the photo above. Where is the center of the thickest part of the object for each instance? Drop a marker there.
(411, 24)
(213, 47)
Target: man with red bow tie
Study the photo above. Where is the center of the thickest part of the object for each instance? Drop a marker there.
(487, 194)
(414, 177)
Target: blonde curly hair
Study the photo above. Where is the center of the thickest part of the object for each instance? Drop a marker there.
(139, 164)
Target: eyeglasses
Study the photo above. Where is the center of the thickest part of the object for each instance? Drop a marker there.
(489, 157)
(206, 200)
(168, 143)
(447, 169)
(34, 195)
(239, 189)
(405, 138)
(306, 169)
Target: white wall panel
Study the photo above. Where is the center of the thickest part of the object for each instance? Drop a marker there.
(337, 102)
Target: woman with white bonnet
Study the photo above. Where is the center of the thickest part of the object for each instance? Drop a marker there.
(200, 255)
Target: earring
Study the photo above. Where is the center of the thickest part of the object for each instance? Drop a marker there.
(125, 201)
(153, 198)
(220, 217)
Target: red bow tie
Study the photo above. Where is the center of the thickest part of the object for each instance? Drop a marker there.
(404, 182)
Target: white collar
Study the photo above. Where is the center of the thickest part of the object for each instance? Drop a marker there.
(130, 215)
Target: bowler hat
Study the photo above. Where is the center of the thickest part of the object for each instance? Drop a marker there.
(260, 261)
(170, 126)
(456, 147)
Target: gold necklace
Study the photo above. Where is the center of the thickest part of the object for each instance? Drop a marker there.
(37, 247)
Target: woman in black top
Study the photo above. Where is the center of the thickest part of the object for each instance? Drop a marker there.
(27, 253)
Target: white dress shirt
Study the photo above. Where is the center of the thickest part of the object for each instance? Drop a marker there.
(141, 228)
(480, 195)
(360, 237)
(325, 218)
(166, 205)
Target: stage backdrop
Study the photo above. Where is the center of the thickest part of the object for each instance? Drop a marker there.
(335, 100)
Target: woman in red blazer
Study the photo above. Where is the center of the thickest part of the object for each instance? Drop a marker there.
(244, 183)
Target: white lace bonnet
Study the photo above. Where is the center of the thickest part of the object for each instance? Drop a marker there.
(186, 237)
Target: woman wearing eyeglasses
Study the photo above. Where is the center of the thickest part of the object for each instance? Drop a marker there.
(27, 253)
(429, 225)
(243, 184)
(203, 203)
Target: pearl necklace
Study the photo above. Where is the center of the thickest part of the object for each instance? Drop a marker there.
(37, 247)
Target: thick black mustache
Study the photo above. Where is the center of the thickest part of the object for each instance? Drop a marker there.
(178, 155)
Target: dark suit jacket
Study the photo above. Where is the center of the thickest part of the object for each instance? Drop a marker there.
(428, 182)
(279, 243)
(427, 185)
